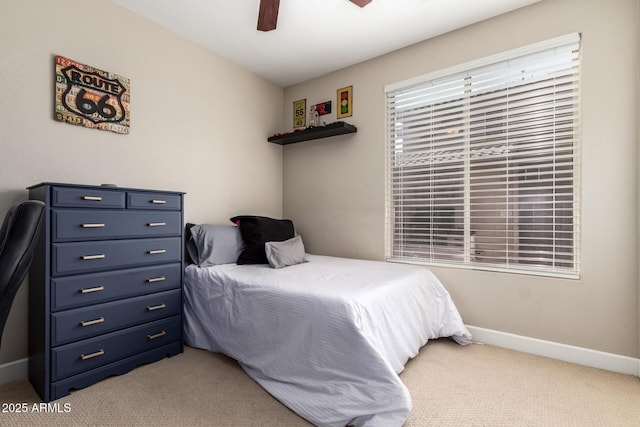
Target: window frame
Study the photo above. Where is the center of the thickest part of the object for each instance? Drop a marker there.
(469, 251)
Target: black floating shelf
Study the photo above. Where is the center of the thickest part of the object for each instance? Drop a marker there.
(332, 129)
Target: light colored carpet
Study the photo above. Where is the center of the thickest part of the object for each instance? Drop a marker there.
(477, 385)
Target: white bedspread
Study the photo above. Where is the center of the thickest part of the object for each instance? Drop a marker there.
(328, 337)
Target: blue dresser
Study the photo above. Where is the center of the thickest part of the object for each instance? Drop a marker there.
(105, 285)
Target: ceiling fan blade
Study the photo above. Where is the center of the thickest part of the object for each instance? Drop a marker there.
(268, 15)
(361, 3)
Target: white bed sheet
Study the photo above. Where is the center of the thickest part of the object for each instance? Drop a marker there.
(327, 337)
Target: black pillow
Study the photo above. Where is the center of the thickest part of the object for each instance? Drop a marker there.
(256, 231)
(187, 238)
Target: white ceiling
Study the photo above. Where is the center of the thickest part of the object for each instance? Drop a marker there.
(314, 37)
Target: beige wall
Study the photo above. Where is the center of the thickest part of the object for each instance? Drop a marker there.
(637, 37)
(334, 188)
(198, 123)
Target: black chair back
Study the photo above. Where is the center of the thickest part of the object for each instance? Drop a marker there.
(18, 238)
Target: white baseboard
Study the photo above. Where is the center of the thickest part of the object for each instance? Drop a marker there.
(568, 353)
(16, 370)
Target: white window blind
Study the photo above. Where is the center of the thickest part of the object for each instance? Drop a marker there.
(483, 163)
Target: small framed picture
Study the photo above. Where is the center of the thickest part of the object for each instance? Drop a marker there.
(345, 102)
(299, 113)
(323, 108)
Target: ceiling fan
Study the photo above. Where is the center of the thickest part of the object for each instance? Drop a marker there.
(268, 13)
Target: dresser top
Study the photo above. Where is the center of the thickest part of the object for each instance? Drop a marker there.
(101, 187)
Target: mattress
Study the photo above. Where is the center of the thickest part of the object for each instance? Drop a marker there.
(328, 337)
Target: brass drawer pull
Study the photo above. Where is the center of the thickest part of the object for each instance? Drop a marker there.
(156, 251)
(92, 355)
(89, 290)
(92, 322)
(92, 225)
(156, 279)
(94, 198)
(158, 335)
(156, 307)
(158, 202)
(156, 224)
(99, 256)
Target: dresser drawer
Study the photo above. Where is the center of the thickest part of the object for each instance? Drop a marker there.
(80, 356)
(87, 198)
(62, 387)
(87, 289)
(92, 224)
(77, 257)
(158, 201)
(73, 325)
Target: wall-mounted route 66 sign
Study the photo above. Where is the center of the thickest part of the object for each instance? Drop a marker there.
(91, 97)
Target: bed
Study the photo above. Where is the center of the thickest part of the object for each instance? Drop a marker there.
(326, 336)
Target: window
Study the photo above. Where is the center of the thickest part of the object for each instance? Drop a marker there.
(483, 163)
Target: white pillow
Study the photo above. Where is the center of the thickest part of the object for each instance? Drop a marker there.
(285, 253)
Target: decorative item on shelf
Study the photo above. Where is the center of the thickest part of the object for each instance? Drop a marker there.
(314, 118)
(323, 108)
(345, 102)
(90, 97)
(300, 113)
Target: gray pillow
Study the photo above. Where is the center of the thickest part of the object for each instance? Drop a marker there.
(214, 244)
(283, 254)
